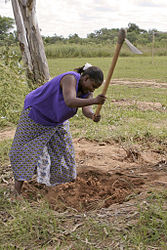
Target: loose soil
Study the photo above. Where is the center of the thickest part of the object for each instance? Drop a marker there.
(107, 174)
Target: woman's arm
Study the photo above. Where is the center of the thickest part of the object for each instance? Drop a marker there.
(88, 111)
(68, 84)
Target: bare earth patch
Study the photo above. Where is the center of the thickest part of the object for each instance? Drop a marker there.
(7, 134)
(140, 105)
(140, 83)
(107, 175)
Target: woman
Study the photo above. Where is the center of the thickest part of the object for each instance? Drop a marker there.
(42, 143)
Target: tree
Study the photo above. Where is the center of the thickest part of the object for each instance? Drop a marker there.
(132, 27)
(74, 38)
(103, 35)
(132, 36)
(30, 41)
(6, 24)
(53, 39)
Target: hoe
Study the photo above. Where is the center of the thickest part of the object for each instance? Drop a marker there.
(121, 40)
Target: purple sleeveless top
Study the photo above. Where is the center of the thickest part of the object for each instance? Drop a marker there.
(47, 103)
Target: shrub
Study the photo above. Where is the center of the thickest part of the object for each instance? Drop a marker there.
(13, 87)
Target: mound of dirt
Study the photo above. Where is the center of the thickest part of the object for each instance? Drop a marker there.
(92, 189)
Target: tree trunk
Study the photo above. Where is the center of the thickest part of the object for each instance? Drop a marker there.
(21, 34)
(30, 40)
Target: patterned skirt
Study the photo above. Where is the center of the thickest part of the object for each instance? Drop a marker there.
(47, 151)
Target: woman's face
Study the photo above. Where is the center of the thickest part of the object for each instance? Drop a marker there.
(88, 85)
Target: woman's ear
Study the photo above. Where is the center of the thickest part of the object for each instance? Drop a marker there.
(86, 77)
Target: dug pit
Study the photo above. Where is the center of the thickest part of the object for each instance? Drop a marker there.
(93, 189)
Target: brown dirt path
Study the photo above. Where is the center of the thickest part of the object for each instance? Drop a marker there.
(140, 83)
(7, 134)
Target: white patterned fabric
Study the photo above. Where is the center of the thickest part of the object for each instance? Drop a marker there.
(43, 168)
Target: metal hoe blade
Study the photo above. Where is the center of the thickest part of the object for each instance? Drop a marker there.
(132, 47)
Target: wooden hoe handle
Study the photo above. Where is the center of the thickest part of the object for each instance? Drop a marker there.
(121, 38)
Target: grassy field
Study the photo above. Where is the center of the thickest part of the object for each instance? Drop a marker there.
(91, 50)
(34, 225)
(138, 67)
(123, 122)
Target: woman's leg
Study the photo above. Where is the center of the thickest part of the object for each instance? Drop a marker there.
(29, 141)
(18, 186)
(62, 156)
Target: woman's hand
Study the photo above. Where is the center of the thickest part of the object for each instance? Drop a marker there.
(96, 118)
(100, 99)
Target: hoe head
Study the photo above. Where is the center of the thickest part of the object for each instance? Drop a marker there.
(122, 38)
(132, 47)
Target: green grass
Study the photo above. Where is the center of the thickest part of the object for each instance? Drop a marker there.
(126, 122)
(35, 226)
(138, 93)
(74, 50)
(118, 122)
(90, 50)
(123, 122)
(24, 225)
(150, 231)
(138, 67)
(14, 89)
(5, 146)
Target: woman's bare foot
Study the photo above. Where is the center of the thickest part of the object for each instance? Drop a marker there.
(17, 187)
(15, 195)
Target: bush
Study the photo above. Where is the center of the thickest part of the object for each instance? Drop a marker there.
(13, 87)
